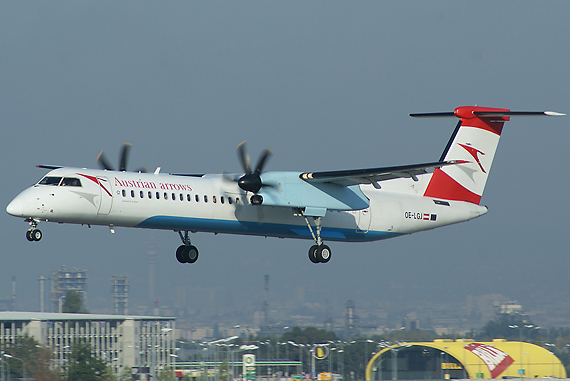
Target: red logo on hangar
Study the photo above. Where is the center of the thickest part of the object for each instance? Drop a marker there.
(496, 360)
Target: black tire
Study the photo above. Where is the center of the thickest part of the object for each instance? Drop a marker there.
(29, 236)
(36, 234)
(191, 254)
(180, 254)
(323, 253)
(313, 254)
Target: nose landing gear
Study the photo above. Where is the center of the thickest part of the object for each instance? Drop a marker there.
(34, 234)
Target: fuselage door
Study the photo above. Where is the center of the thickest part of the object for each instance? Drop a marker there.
(106, 195)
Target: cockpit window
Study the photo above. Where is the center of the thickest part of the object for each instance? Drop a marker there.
(50, 180)
(70, 182)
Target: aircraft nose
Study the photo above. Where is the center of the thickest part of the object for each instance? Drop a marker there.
(15, 208)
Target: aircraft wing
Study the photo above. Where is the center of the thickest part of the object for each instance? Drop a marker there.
(374, 175)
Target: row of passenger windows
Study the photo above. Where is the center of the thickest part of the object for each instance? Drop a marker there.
(172, 196)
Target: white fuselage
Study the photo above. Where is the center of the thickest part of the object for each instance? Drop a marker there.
(212, 203)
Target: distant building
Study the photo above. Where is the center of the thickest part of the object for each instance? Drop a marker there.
(120, 286)
(64, 280)
(143, 343)
(351, 326)
(9, 303)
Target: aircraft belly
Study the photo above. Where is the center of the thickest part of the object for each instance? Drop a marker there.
(267, 221)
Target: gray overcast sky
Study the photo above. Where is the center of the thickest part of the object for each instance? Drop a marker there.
(327, 85)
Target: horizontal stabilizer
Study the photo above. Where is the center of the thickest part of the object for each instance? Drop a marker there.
(51, 167)
(486, 114)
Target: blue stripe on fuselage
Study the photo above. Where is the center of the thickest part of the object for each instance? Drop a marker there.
(255, 228)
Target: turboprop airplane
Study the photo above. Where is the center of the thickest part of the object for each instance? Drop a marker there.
(348, 205)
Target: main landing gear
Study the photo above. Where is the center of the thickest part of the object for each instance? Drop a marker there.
(319, 253)
(186, 253)
(33, 233)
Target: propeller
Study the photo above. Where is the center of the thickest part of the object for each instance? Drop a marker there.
(251, 181)
(123, 158)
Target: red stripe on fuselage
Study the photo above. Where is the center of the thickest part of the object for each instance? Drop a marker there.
(96, 180)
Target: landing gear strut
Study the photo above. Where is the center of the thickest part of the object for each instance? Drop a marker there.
(34, 234)
(319, 253)
(186, 253)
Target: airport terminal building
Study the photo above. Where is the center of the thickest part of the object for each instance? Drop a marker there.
(461, 359)
(143, 343)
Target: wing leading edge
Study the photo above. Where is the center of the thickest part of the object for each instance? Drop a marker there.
(374, 175)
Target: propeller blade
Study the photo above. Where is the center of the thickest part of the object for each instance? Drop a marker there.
(244, 158)
(124, 156)
(261, 163)
(103, 162)
(123, 159)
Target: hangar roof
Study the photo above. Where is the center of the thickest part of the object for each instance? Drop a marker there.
(496, 359)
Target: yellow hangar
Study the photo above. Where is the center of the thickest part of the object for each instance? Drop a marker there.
(449, 359)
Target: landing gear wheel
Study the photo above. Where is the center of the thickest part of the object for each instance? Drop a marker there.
(34, 235)
(313, 254)
(180, 254)
(191, 254)
(187, 254)
(323, 253)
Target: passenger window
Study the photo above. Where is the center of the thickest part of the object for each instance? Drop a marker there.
(237, 200)
(133, 194)
(230, 201)
(124, 193)
(150, 195)
(50, 180)
(197, 198)
(222, 199)
(70, 182)
(205, 198)
(142, 194)
(188, 197)
(214, 199)
(173, 197)
(165, 196)
(181, 197)
(157, 196)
